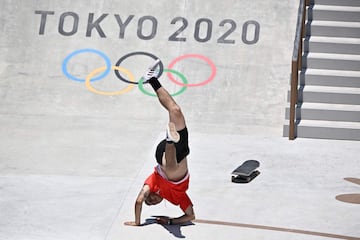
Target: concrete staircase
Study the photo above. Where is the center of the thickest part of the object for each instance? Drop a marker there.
(329, 91)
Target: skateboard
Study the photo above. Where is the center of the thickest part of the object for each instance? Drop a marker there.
(246, 172)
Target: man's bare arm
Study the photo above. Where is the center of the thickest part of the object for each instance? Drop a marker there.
(188, 216)
(138, 206)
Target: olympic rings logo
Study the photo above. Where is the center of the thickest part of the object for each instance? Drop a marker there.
(127, 76)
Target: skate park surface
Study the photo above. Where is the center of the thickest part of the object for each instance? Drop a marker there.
(74, 152)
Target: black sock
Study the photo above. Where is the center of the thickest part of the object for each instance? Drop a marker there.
(154, 82)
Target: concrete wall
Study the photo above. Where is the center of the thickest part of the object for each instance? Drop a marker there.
(52, 120)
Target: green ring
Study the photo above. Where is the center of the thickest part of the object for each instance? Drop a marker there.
(180, 75)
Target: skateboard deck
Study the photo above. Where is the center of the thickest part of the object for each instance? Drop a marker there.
(246, 172)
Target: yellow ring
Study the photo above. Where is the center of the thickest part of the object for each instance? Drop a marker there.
(101, 69)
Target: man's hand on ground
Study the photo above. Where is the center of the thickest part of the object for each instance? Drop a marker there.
(131, 224)
(163, 220)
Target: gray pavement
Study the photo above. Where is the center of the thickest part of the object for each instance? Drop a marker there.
(73, 158)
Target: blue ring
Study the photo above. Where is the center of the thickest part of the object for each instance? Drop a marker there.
(101, 54)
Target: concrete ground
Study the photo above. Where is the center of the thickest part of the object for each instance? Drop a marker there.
(294, 197)
(73, 159)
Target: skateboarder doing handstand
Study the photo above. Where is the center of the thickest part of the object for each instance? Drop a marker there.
(170, 178)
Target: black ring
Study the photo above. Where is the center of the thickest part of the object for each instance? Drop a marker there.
(117, 73)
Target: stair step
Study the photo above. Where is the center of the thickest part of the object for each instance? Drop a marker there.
(326, 130)
(332, 61)
(334, 13)
(333, 95)
(332, 124)
(324, 89)
(333, 29)
(332, 107)
(336, 2)
(328, 112)
(332, 45)
(331, 78)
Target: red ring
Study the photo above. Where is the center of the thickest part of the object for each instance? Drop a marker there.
(207, 60)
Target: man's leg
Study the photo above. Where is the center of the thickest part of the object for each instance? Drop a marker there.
(175, 114)
(176, 123)
(176, 119)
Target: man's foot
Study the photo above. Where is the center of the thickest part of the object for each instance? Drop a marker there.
(150, 73)
(171, 134)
